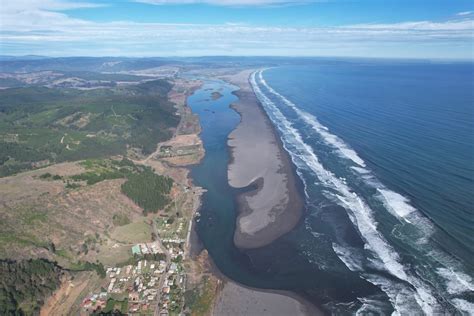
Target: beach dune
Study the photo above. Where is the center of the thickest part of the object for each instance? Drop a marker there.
(273, 206)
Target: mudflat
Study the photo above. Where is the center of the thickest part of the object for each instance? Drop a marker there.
(273, 205)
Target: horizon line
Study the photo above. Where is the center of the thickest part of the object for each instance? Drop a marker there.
(240, 56)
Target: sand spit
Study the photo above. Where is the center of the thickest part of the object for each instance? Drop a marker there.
(238, 300)
(274, 207)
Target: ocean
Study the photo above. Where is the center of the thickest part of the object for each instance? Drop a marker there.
(392, 144)
(385, 151)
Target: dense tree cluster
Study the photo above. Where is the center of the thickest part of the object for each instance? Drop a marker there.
(105, 169)
(20, 152)
(25, 285)
(148, 190)
(93, 177)
(90, 266)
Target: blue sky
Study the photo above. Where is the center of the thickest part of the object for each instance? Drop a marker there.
(360, 28)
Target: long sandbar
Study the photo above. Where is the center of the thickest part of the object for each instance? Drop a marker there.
(275, 205)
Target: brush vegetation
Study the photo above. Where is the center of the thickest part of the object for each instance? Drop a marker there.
(147, 189)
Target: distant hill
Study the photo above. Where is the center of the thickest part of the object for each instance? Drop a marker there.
(120, 64)
(96, 64)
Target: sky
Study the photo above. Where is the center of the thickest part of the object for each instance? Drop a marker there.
(355, 28)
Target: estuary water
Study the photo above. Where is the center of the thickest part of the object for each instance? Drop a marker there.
(385, 151)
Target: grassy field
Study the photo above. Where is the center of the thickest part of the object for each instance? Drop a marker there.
(40, 125)
(133, 232)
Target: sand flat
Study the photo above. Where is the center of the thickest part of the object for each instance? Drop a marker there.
(238, 300)
(274, 207)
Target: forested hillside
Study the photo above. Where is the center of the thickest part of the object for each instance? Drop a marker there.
(40, 125)
(25, 285)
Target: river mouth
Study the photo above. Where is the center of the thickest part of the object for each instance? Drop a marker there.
(366, 242)
(277, 266)
(215, 225)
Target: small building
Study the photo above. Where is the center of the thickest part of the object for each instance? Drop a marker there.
(173, 267)
(136, 250)
(87, 303)
(134, 308)
(100, 304)
(133, 297)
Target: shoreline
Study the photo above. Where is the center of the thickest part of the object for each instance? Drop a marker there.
(264, 302)
(275, 206)
(231, 297)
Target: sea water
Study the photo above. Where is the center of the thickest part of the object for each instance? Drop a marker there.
(392, 144)
(385, 152)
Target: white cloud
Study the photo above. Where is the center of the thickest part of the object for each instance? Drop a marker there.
(16, 6)
(43, 29)
(39, 14)
(229, 2)
(464, 13)
(456, 25)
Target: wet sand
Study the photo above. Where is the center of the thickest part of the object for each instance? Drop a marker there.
(235, 299)
(275, 205)
(238, 300)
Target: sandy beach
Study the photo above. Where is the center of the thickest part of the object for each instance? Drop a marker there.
(274, 206)
(235, 299)
(238, 300)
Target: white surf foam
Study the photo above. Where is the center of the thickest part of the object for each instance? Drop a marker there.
(349, 257)
(456, 282)
(360, 170)
(370, 307)
(463, 305)
(330, 139)
(359, 212)
(398, 205)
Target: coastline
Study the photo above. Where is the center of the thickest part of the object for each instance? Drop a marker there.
(236, 299)
(258, 159)
(233, 298)
(240, 300)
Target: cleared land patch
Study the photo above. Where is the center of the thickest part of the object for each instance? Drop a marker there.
(132, 233)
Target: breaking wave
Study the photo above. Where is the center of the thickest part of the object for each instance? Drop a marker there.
(360, 215)
(396, 204)
(409, 291)
(330, 139)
